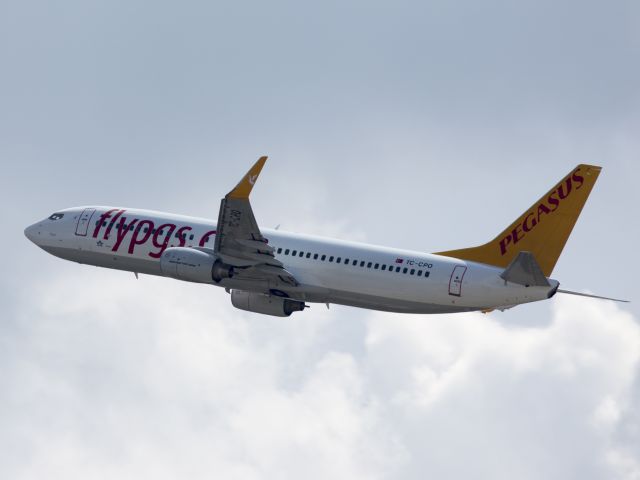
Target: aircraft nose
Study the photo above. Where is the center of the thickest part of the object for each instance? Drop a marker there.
(31, 232)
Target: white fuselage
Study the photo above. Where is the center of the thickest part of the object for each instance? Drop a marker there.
(329, 271)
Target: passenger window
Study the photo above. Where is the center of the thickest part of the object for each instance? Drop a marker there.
(404, 270)
(301, 254)
(413, 270)
(397, 269)
(375, 267)
(308, 254)
(104, 224)
(384, 267)
(355, 262)
(362, 263)
(369, 265)
(426, 274)
(346, 261)
(323, 257)
(279, 250)
(419, 273)
(315, 256)
(146, 229)
(331, 258)
(191, 237)
(338, 260)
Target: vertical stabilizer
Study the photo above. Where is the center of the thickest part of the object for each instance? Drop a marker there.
(543, 229)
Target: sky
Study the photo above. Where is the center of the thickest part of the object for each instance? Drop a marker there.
(421, 125)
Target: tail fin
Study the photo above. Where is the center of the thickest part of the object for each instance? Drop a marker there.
(543, 229)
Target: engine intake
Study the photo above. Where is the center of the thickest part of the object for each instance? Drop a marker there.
(193, 265)
(266, 304)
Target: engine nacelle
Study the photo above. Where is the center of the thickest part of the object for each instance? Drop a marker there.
(221, 270)
(266, 304)
(193, 265)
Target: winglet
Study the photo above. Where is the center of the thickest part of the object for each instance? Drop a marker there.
(243, 189)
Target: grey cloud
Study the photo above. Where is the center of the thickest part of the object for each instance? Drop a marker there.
(160, 379)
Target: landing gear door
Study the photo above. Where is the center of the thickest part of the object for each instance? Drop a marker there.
(84, 221)
(455, 282)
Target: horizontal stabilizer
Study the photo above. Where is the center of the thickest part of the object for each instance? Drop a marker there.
(591, 296)
(524, 270)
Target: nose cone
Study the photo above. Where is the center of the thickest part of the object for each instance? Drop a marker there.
(31, 232)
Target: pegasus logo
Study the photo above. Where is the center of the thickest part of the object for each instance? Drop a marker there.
(549, 205)
(252, 179)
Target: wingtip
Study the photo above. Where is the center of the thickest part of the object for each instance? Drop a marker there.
(244, 187)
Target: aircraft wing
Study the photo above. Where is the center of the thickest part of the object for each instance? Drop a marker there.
(239, 241)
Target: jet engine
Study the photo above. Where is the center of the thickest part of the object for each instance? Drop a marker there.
(266, 304)
(193, 265)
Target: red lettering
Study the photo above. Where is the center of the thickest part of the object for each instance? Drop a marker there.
(112, 223)
(561, 193)
(578, 178)
(182, 236)
(542, 208)
(553, 201)
(503, 244)
(122, 232)
(516, 233)
(529, 222)
(162, 246)
(103, 217)
(205, 237)
(136, 233)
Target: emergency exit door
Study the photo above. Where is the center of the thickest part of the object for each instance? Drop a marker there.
(455, 282)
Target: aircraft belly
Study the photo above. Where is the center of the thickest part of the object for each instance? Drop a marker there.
(387, 304)
(107, 260)
(382, 290)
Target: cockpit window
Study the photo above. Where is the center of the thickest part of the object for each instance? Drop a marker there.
(56, 216)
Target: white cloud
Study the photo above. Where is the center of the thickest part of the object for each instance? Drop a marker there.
(164, 379)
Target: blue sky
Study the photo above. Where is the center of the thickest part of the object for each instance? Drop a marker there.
(425, 125)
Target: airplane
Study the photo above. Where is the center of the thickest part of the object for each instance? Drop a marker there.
(273, 272)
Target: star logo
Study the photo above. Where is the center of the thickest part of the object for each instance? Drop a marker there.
(99, 243)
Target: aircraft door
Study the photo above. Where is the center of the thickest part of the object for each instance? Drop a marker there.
(83, 221)
(455, 282)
